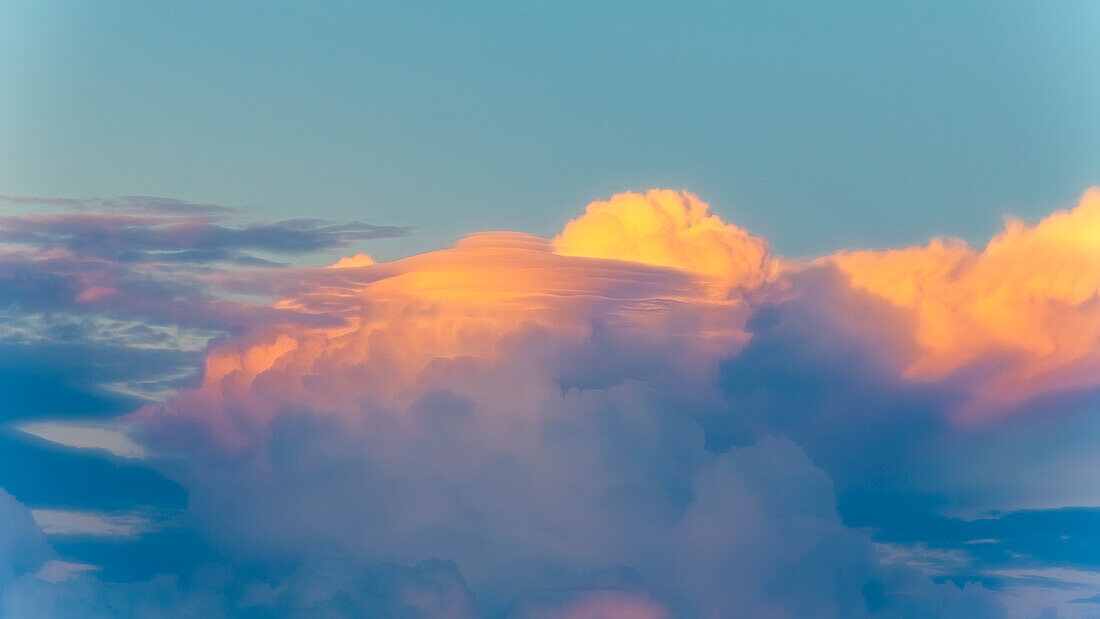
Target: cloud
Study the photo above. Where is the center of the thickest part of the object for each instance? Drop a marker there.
(68, 522)
(35, 283)
(482, 299)
(335, 587)
(86, 436)
(54, 571)
(649, 413)
(350, 262)
(123, 204)
(668, 228)
(599, 605)
(155, 262)
(332, 588)
(23, 548)
(83, 595)
(1026, 308)
(170, 238)
(33, 583)
(539, 418)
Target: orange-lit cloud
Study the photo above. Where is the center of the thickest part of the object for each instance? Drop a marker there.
(404, 321)
(1028, 304)
(658, 267)
(668, 228)
(350, 262)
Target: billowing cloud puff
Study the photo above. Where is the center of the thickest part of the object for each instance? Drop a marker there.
(1024, 312)
(668, 228)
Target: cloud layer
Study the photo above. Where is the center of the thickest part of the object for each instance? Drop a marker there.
(649, 415)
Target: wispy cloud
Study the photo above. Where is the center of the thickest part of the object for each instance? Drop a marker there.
(124, 204)
(110, 438)
(173, 238)
(95, 524)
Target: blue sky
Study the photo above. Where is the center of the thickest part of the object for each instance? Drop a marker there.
(701, 401)
(817, 125)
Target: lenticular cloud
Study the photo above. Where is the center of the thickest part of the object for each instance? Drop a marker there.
(437, 321)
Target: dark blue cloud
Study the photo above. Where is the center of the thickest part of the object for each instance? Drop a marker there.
(40, 474)
(66, 377)
(180, 238)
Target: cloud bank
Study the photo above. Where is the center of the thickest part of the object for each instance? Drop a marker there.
(1027, 306)
(649, 415)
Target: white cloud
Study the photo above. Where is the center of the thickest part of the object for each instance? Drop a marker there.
(55, 571)
(67, 522)
(113, 438)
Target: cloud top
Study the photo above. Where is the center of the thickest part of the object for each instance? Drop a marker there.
(667, 228)
(1028, 305)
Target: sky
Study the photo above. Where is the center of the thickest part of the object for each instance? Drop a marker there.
(620, 310)
(818, 125)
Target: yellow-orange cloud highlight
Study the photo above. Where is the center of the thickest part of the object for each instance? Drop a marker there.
(351, 262)
(1028, 305)
(659, 271)
(671, 229)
